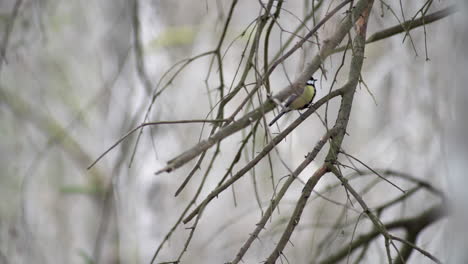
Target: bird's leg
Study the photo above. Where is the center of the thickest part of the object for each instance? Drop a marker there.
(305, 108)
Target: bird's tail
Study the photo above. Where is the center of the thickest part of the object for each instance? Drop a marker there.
(276, 118)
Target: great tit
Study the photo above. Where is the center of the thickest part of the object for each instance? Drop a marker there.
(299, 99)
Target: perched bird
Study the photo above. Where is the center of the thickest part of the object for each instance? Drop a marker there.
(299, 99)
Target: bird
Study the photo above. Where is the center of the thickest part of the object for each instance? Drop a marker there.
(299, 99)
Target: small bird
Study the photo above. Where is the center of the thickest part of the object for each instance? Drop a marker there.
(299, 99)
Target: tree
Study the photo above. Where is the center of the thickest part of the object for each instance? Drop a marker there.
(350, 179)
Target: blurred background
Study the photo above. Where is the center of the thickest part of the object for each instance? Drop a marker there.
(79, 75)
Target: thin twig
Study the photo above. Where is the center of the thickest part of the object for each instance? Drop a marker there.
(374, 171)
(153, 124)
(424, 252)
(410, 24)
(421, 221)
(8, 30)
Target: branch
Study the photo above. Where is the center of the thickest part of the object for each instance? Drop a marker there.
(413, 246)
(340, 126)
(375, 220)
(264, 78)
(8, 30)
(152, 124)
(296, 216)
(406, 26)
(307, 36)
(265, 151)
(327, 49)
(421, 221)
(139, 50)
(274, 203)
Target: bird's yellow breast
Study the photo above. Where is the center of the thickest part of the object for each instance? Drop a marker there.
(305, 98)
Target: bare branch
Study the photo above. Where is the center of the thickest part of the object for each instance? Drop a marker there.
(264, 151)
(8, 30)
(267, 106)
(153, 124)
(274, 203)
(410, 24)
(422, 221)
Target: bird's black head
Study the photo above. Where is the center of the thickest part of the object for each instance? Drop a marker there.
(311, 81)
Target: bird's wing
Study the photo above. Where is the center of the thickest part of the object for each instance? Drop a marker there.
(295, 94)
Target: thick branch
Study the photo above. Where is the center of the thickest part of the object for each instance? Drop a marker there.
(353, 79)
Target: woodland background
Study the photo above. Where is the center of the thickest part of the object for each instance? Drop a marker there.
(77, 76)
